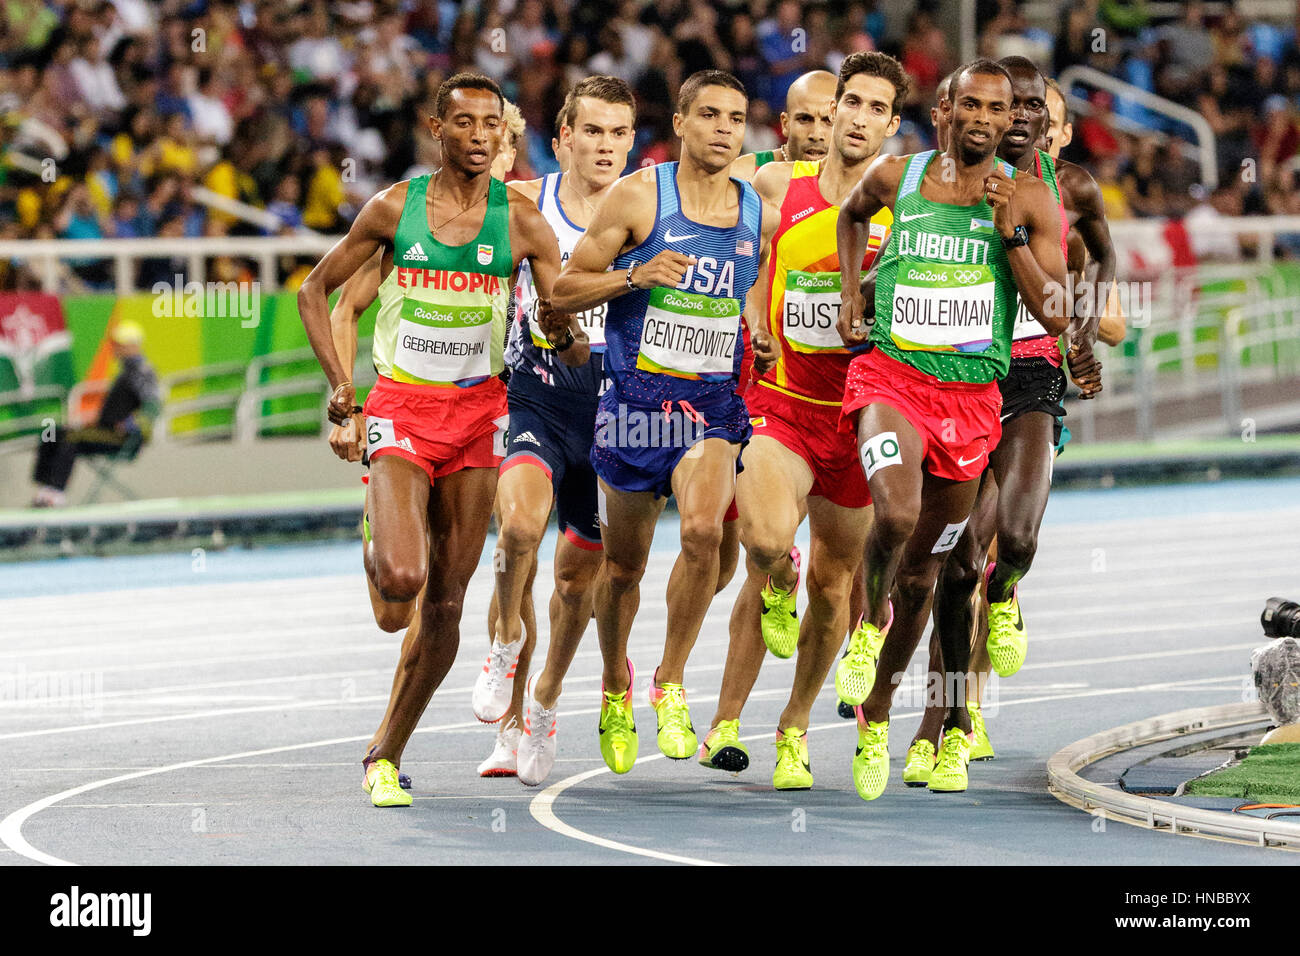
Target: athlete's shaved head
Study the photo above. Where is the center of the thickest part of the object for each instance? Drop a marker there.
(806, 122)
(942, 96)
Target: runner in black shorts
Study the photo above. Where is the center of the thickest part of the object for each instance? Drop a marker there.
(1013, 494)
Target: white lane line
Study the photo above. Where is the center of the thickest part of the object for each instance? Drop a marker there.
(543, 806)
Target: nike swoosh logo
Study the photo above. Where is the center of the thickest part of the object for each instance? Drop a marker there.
(962, 462)
(669, 237)
(915, 215)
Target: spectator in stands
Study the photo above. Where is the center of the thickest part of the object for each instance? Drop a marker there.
(786, 60)
(125, 420)
(1208, 244)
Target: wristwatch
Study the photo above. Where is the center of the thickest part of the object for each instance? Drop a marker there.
(1018, 238)
(628, 279)
(566, 344)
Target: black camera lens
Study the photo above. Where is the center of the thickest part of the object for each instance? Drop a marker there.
(1281, 618)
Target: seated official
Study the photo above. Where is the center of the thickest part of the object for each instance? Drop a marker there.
(126, 418)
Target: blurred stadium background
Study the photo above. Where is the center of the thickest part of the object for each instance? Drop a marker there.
(184, 141)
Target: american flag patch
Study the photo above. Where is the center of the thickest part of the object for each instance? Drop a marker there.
(744, 247)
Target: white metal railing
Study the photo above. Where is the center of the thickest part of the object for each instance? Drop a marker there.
(1205, 145)
(45, 255)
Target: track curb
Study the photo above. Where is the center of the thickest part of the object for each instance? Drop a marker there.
(1066, 785)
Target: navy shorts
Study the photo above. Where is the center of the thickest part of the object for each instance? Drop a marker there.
(637, 448)
(553, 429)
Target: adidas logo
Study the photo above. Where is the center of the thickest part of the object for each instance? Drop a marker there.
(528, 437)
(416, 254)
(405, 445)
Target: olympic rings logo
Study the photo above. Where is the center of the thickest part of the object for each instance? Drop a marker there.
(967, 276)
(721, 307)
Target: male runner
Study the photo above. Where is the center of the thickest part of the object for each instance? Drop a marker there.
(798, 463)
(967, 235)
(552, 426)
(1013, 492)
(450, 243)
(1112, 328)
(685, 243)
(805, 124)
(356, 295)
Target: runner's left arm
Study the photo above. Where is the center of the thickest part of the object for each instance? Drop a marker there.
(539, 246)
(1039, 267)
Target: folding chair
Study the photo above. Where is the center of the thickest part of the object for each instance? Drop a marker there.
(105, 468)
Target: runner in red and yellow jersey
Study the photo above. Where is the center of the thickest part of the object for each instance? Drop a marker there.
(450, 246)
(798, 463)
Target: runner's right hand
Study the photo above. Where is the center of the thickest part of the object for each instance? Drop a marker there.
(342, 405)
(667, 269)
(346, 439)
(851, 324)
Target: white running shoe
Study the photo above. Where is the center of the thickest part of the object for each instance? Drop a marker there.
(537, 745)
(501, 762)
(495, 684)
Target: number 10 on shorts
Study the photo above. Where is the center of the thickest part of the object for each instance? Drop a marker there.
(880, 451)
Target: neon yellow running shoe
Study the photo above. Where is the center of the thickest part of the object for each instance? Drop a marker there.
(950, 767)
(722, 749)
(618, 740)
(1008, 641)
(871, 761)
(382, 784)
(676, 732)
(920, 764)
(793, 769)
(855, 674)
(780, 618)
(981, 748)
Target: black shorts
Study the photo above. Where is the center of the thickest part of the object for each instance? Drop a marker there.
(1033, 385)
(553, 429)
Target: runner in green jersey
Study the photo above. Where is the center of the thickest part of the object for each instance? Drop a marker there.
(968, 235)
(450, 245)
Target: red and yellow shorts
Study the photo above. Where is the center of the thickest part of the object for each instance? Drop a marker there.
(958, 421)
(811, 431)
(443, 430)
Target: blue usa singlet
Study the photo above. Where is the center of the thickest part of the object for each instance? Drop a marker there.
(685, 343)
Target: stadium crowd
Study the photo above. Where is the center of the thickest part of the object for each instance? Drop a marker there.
(115, 115)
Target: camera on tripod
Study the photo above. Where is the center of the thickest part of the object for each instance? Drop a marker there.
(1281, 618)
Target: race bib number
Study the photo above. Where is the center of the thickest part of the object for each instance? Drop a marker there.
(940, 307)
(880, 451)
(1027, 327)
(949, 538)
(812, 307)
(380, 434)
(689, 335)
(592, 322)
(443, 343)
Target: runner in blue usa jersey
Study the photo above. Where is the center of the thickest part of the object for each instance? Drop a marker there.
(685, 242)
